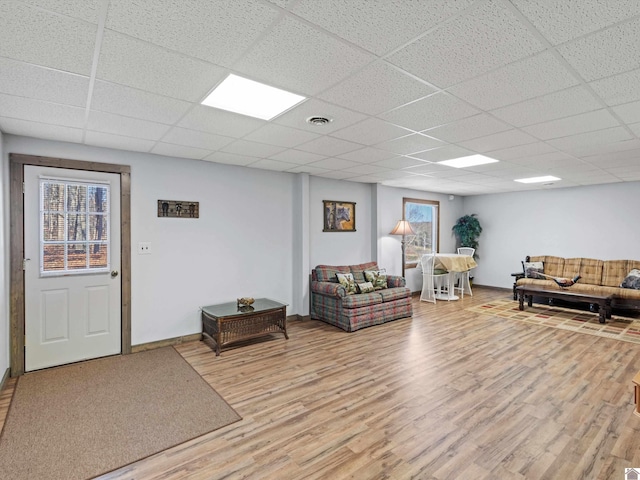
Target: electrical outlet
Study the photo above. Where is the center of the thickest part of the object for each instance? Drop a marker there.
(144, 248)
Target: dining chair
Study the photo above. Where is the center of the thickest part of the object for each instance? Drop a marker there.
(462, 278)
(432, 280)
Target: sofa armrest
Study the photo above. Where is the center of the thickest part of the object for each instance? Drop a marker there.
(396, 281)
(328, 288)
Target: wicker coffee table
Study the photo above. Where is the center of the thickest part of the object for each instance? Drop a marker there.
(227, 323)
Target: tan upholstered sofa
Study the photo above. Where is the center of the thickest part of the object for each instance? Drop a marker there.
(599, 277)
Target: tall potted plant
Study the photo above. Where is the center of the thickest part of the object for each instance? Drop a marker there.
(467, 230)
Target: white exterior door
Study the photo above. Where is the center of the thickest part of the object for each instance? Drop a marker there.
(72, 252)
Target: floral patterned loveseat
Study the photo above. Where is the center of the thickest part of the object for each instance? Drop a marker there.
(331, 303)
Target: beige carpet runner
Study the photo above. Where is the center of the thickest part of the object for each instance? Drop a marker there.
(618, 327)
(82, 420)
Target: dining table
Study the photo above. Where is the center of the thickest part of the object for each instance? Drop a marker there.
(453, 263)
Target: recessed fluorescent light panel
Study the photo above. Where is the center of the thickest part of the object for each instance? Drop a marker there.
(548, 178)
(469, 161)
(255, 99)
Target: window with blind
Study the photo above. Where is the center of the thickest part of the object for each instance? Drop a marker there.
(74, 227)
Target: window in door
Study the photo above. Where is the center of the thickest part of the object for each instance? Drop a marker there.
(423, 215)
(74, 227)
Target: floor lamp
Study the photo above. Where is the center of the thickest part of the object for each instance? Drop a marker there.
(403, 227)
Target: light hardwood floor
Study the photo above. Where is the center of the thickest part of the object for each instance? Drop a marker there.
(447, 394)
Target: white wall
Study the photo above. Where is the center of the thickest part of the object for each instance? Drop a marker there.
(339, 248)
(389, 201)
(240, 246)
(4, 265)
(599, 221)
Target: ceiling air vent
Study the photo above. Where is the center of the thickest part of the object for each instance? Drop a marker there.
(319, 121)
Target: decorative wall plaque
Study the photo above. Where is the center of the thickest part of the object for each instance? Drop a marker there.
(178, 209)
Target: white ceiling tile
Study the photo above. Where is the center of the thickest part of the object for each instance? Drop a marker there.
(400, 162)
(220, 122)
(377, 26)
(376, 89)
(230, 158)
(390, 174)
(38, 111)
(371, 131)
(297, 156)
(629, 112)
(563, 21)
(624, 157)
(443, 153)
(435, 170)
(365, 179)
(519, 81)
(410, 144)
(482, 39)
(582, 142)
(367, 155)
(585, 122)
(180, 151)
(329, 146)
(307, 169)
(546, 159)
(549, 107)
(252, 149)
(619, 89)
(295, 56)
(433, 111)
(519, 151)
(40, 130)
(297, 117)
(193, 138)
(497, 141)
(274, 134)
(142, 65)
(334, 164)
(118, 142)
(365, 169)
(605, 53)
(86, 10)
(129, 127)
(613, 149)
(267, 164)
(35, 36)
(112, 98)
(219, 35)
(337, 174)
(25, 80)
(468, 128)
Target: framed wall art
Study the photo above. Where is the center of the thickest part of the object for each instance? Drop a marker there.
(339, 216)
(178, 209)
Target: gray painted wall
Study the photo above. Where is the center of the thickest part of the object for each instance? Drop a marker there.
(597, 221)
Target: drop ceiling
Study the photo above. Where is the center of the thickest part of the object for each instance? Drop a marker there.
(546, 87)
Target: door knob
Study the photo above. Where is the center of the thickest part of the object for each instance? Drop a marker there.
(114, 273)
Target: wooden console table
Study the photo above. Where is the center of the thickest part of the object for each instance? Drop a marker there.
(227, 322)
(603, 301)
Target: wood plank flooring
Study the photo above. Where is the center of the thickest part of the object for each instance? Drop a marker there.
(448, 394)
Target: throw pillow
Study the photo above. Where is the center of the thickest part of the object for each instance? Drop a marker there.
(377, 277)
(531, 269)
(632, 280)
(366, 287)
(347, 281)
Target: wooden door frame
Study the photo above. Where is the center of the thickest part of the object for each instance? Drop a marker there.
(17, 163)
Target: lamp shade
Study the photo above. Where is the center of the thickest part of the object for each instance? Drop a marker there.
(403, 227)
